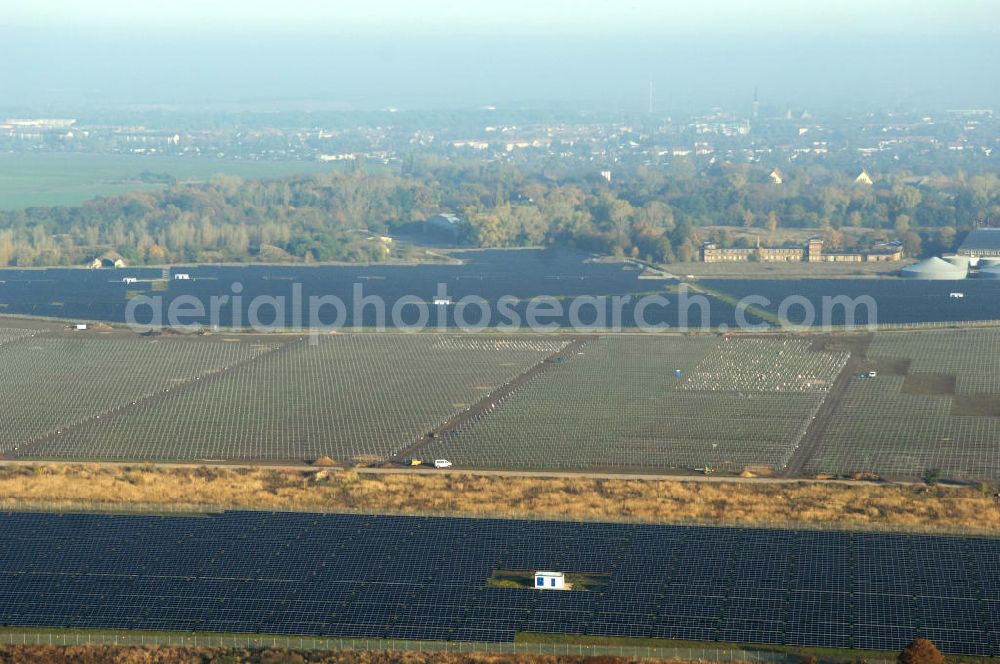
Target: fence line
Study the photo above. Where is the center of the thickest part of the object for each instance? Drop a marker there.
(709, 654)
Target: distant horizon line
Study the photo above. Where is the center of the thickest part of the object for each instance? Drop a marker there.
(769, 110)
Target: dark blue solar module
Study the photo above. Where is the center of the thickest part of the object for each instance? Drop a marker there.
(424, 578)
(491, 275)
(896, 301)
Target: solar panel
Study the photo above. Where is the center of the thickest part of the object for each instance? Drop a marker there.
(825, 635)
(425, 578)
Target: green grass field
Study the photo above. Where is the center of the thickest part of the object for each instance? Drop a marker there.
(44, 179)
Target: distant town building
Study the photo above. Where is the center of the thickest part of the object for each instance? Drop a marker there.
(522, 144)
(864, 178)
(811, 252)
(712, 253)
(779, 254)
(814, 249)
(775, 176)
(981, 242)
(885, 251)
(474, 144)
(606, 174)
(39, 123)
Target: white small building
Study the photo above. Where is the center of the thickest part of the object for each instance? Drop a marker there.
(182, 277)
(864, 179)
(442, 301)
(550, 581)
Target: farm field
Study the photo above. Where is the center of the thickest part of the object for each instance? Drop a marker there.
(355, 398)
(618, 404)
(39, 180)
(933, 410)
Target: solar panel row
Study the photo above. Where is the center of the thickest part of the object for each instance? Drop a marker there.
(424, 578)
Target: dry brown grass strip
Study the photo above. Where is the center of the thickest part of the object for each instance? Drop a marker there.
(916, 508)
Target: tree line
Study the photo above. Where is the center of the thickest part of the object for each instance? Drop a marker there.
(651, 213)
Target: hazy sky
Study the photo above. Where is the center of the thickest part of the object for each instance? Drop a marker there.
(65, 55)
(590, 16)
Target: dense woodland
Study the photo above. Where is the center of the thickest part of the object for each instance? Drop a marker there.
(660, 214)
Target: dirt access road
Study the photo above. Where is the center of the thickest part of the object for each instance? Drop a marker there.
(857, 346)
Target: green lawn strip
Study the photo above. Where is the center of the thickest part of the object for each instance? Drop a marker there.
(63, 178)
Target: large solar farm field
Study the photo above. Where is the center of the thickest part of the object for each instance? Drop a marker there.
(356, 398)
(495, 276)
(427, 578)
(894, 301)
(638, 403)
(934, 408)
(655, 403)
(51, 385)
